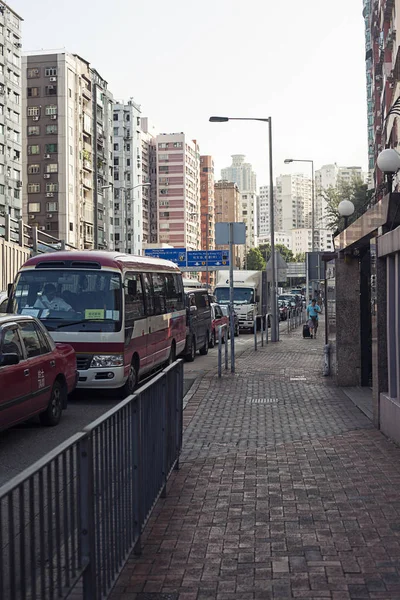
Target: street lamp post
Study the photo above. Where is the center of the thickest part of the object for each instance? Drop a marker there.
(274, 300)
(291, 160)
(388, 162)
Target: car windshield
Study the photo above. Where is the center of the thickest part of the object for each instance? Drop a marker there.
(70, 299)
(240, 295)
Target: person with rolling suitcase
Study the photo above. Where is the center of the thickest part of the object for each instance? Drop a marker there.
(312, 311)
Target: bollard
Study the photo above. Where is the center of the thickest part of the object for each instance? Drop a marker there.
(219, 351)
(327, 360)
(255, 333)
(226, 348)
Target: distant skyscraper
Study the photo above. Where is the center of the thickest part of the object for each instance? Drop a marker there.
(228, 210)
(149, 175)
(240, 173)
(263, 222)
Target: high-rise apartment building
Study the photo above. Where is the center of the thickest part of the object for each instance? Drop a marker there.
(248, 216)
(178, 191)
(302, 240)
(11, 176)
(263, 208)
(128, 200)
(280, 237)
(207, 202)
(293, 202)
(102, 151)
(228, 210)
(382, 23)
(240, 173)
(149, 175)
(58, 149)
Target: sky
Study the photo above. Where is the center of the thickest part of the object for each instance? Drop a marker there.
(300, 63)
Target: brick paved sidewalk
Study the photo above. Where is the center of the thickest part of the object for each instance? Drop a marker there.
(285, 491)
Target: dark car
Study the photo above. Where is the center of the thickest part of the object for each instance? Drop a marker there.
(198, 323)
(36, 375)
(225, 310)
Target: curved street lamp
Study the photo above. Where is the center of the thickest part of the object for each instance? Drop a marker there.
(346, 209)
(274, 302)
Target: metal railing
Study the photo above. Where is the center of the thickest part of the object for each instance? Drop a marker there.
(221, 338)
(76, 514)
(15, 230)
(296, 317)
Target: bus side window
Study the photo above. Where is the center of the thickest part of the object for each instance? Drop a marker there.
(174, 292)
(148, 294)
(160, 302)
(134, 306)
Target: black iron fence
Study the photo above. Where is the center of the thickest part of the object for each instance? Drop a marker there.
(72, 519)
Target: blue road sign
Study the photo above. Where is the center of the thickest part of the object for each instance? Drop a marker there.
(216, 258)
(175, 255)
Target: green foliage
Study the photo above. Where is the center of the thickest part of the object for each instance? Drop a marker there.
(300, 257)
(286, 254)
(255, 260)
(356, 191)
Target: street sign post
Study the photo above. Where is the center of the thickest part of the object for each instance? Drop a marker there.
(175, 255)
(216, 258)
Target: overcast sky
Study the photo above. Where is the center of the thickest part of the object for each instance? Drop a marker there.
(184, 60)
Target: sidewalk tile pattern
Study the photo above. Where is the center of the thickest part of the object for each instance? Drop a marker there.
(285, 491)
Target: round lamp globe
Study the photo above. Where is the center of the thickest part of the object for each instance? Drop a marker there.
(388, 161)
(346, 208)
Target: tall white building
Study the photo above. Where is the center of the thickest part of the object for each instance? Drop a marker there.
(293, 202)
(240, 173)
(149, 175)
(263, 208)
(302, 240)
(248, 216)
(178, 191)
(280, 237)
(11, 175)
(128, 199)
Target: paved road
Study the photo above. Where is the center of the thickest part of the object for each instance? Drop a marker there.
(23, 445)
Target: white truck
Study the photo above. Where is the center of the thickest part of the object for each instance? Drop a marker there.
(249, 295)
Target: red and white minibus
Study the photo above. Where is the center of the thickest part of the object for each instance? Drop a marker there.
(124, 315)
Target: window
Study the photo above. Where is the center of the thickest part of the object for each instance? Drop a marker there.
(33, 92)
(51, 109)
(34, 207)
(33, 188)
(32, 73)
(51, 187)
(148, 292)
(115, 117)
(52, 168)
(2, 189)
(128, 162)
(50, 90)
(34, 130)
(34, 149)
(115, 131)
(116, 176)
(174, 292)
(116, 222)
(33, 169)
(50, 72)
(51, 148)
(51, 129)
(159, 297)
(52, 206)
(12, 343)
(116, 161)
(134, 305)
(31, 339)
(116, 147)
(33, 111)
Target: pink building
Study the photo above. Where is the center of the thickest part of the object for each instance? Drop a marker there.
(178, 191)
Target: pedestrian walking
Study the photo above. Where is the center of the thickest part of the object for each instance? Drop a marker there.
(313, 310)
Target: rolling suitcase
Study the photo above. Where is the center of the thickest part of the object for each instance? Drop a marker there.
(306, 331)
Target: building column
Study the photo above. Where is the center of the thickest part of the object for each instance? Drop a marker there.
(379, 332)
(348, 340)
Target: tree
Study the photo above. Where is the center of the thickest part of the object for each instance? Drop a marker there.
(300, 257)
(286, 254)
(255, 260)
(356, 191)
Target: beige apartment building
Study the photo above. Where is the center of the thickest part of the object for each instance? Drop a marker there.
(227, 200)
(67, 149)
(178, 191)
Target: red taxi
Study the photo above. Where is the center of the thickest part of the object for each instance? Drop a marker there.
(217, 319)
(36, 375)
